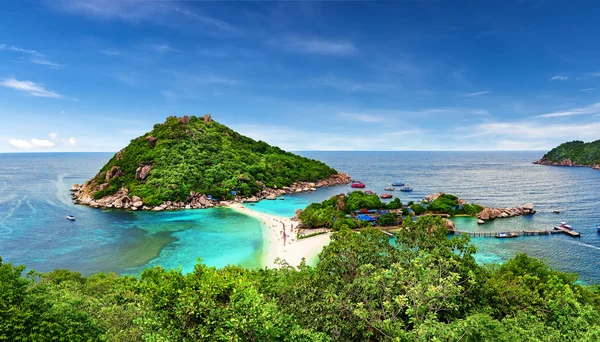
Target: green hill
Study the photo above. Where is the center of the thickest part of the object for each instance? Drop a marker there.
(574, 153)
(198, 154)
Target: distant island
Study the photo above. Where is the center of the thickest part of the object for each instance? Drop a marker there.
(574, 153)
(191, 162)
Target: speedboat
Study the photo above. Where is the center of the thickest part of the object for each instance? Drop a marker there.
(506, 235)
(386, 195)
(398, 183)
(406, 189)
(598, 227)
(359, 185)
(70, 217)
(369, 192)
(565, 225)
(390, 188)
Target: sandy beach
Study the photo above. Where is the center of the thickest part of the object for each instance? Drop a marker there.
(279, 234)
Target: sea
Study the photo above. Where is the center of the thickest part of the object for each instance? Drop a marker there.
(34, 201)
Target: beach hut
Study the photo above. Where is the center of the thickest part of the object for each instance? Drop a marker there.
(367, 218)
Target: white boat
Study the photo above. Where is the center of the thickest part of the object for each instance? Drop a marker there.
(565, 225)
(70, 217)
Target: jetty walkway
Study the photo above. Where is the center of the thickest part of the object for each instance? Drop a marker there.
(556, 230)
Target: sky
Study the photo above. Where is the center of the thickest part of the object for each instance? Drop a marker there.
(90, 75)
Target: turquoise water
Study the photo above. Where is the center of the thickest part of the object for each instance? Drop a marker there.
(34, 200)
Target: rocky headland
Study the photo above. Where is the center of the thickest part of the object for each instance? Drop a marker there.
(574, 153)
(497, 213)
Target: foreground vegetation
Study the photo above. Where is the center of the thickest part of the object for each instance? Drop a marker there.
(576, 151)
(202, 156)
(425, 288)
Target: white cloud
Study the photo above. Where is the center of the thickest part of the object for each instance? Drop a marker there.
(53, 135)
(30, 88)
(479, 93)
(587, 90)
(559, 78)
(20, 143)
(70, 142)
(591, 109)
(42, 143)
(315, 46)
(35, 56)
(361, 117)
(29, 144)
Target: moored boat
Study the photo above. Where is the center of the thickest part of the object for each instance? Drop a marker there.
(598, 227)
(406, 189)
(386, 195)
(398, 183)
(506, 235)
(369, 192)
(390, 188)
(565, 225)
(70, 217)
(359, 185)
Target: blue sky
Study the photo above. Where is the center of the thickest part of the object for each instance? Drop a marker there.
(90, 75)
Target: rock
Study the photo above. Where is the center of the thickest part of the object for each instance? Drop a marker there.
(597, 167)
(504, 215)
(158, 209)
(528, 206)
(118, 203)
(75, 187)
(137, 204)
(485, 214)
(119, 155)
(271, 197)
(151, 141)
(449, 224)
(103, 186)
(135, 199)
(114, 172)
(142, 172)
(184, 119)
(207, 118)
(480, 221)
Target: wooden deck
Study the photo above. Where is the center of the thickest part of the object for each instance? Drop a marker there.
(556, 230)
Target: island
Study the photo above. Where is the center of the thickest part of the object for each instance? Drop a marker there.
(194, 162)
(574, 153)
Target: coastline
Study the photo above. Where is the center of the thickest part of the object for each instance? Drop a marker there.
(565, 162)
(291, 250)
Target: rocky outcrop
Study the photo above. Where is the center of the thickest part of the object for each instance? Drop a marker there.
(597, 167)
(119, 155)
(142, 171)
(564, 162)
(449, 224)
(184, 119)
(207, 118)
(491, 214)
(151, 141)
(114, 172)
(82, 194)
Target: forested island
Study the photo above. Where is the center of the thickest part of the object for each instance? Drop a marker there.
(424, 287)
(189, 162)
(574, 153)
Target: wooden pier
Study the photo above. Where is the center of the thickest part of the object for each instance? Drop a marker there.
(556, 230)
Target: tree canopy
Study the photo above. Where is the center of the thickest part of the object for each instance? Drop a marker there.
(577, 151)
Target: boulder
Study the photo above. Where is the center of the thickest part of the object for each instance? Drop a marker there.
(151, 141)
(485, 214)
(114, 172)
(158, 209)
(528, 206)
(504, 215)
(480, 221)
(103, 186)
(74, 188)
(118, 203)
(449, 224)
(135, 199)
(597, 167)
(119, 155)
(184, 119)
(271, 197)
(207, 118)
(142, 172)
(137, 204)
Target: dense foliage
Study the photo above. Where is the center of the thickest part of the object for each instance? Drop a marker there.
(332, 213)
(577, 151)
(205, 157)
(448, 204)
(426, 287)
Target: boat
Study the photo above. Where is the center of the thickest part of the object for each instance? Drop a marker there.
(598, 227)
(359, 185)
(70, 217)
(386, 195)
(282, 198)
(390, 188)
(565, 226)
(502, 235)
(406, 189)
(398, 183)
(369, 192)
(556, 211)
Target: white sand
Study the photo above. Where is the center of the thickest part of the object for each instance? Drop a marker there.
(292, 250)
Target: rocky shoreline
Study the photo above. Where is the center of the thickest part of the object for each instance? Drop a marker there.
(564, 162)
(82, 194)
(490, 213)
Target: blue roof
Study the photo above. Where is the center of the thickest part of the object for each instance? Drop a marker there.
(366, 218)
